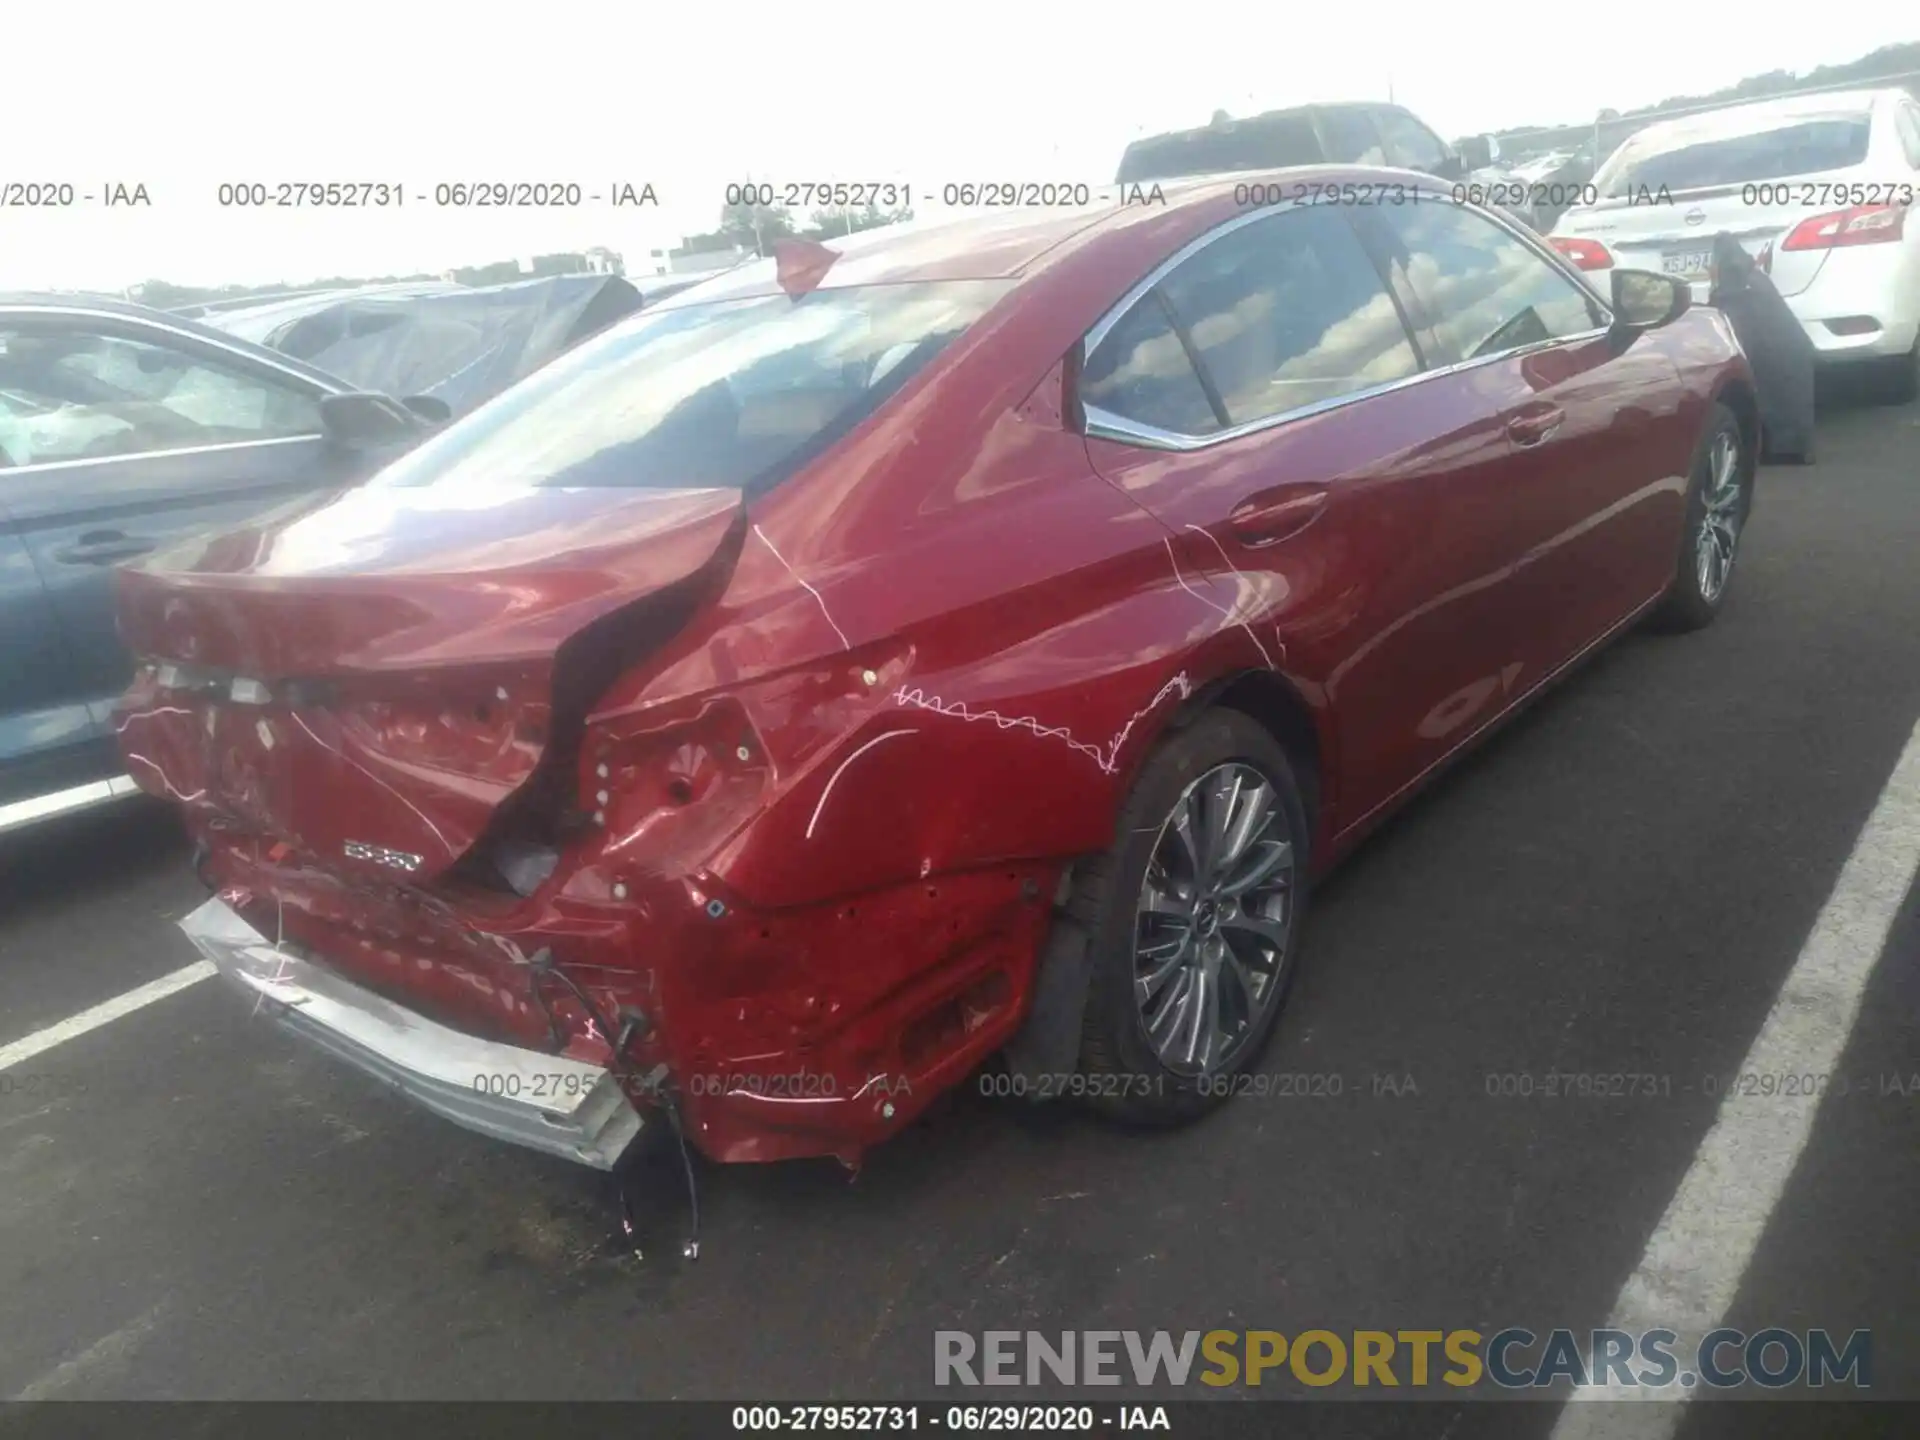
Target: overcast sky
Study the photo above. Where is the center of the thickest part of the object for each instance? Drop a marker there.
(186, 95)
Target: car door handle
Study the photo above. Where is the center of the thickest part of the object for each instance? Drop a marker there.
(101, 547)
(1533, 428)
(1275, 514)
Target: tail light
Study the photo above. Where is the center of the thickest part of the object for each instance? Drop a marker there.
(1856, 225)
(687, 783)
(1586, 254)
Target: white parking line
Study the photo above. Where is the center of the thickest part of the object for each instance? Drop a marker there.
(41, 1041)
(108, 1353)
(1692, 1268)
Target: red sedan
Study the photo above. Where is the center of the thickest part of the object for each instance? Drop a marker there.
(956, 639)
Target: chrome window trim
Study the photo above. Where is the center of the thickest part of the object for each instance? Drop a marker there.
(29, 312)
(37, 467)
(1118, 312)
(1105, 425)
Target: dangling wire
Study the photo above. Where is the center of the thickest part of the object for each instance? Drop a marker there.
(691, 1248)
(631, 1086)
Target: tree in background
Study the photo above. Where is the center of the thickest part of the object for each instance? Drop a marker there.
(164, 295)
(827, 224)
(755, 227)
(1886, 64)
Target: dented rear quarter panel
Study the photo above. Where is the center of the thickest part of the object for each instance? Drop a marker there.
(835, 806)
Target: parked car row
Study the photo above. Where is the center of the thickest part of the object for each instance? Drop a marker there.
(1823, 191)
(458, 344)
(961, 637)
(124, 430)
(1356, 133)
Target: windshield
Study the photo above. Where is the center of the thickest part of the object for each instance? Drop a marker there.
(1263, 143)
(734, 393)
(1805, 147)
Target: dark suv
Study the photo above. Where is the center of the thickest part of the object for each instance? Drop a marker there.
(1352, 134)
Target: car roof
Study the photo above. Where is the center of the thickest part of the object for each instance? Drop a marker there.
(1285, 112)
(1145, 158)
(258, 320)
(1758, 115)
(83, 303)
(977, 245)
(1012, 245)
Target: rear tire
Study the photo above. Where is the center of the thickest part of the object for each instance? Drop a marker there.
(1719, 499)
(1199, 901)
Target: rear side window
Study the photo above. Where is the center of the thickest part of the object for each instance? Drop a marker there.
(1803, 147)
(1409, 143)
(737, 393)
(1283, 313)
(1142, 373)
(1289, 312)
(1264, 142)
(1479, 290)
(73, 394)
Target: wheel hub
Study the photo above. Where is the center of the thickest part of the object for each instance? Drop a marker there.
(1210, 940)
(1720, 519)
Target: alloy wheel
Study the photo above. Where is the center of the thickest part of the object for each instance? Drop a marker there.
(1210, 935)
(1720, 519)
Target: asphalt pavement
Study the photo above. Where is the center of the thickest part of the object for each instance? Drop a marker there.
(192, 1205)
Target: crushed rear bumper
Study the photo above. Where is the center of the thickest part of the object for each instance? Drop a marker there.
(560, 1106)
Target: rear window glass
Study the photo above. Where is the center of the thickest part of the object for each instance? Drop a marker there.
(737, 393)
(1803, 148)
(1262, 143)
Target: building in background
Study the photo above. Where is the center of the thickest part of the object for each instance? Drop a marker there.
(682, 261)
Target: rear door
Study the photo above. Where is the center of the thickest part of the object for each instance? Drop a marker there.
(44, 730)
(1597, 452)
(1263, 398)
(140, 437)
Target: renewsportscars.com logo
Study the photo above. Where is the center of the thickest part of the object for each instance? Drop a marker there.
(1511, 1359)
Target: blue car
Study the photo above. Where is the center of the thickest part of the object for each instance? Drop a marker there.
(124, 430)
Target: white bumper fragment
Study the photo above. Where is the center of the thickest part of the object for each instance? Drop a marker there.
(563, 1107)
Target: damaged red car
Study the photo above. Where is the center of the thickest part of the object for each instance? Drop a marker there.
(960, 639)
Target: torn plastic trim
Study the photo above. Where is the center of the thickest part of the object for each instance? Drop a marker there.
(545, 1102)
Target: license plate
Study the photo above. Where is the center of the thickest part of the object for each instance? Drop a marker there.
(1687, 264)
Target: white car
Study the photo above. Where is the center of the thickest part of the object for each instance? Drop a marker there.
(1822, 190)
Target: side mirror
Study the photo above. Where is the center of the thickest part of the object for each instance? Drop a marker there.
(364, 420)
(430, 408)
(1476, 152)
(1645, 300)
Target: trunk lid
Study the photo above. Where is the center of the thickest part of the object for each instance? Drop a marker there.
(372, 679)
(1677, 238)
(1754, 172)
